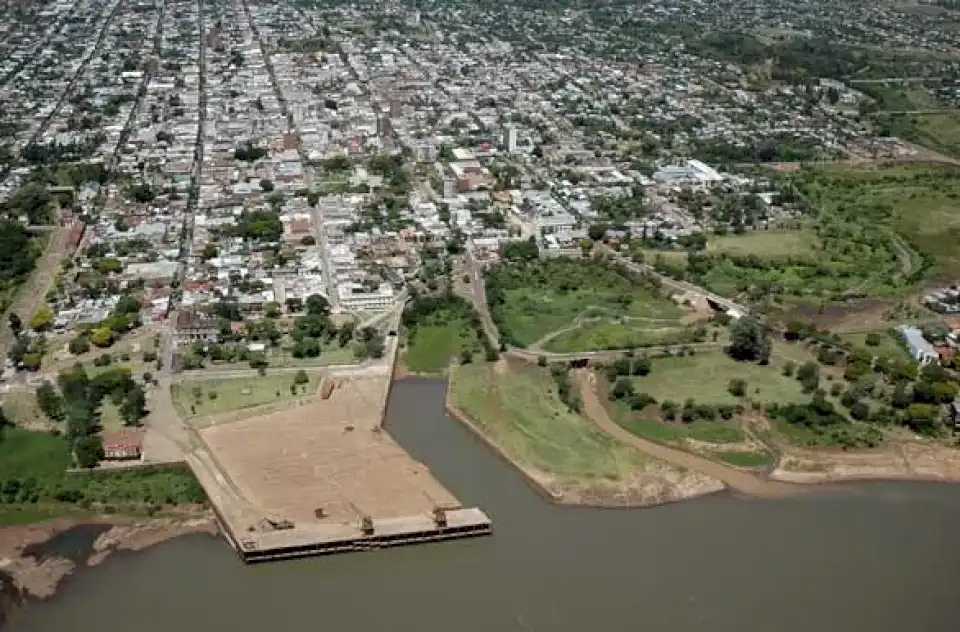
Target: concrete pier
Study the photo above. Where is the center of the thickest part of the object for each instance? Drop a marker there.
(324, 477)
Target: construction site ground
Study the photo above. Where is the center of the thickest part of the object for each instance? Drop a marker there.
(322, 466)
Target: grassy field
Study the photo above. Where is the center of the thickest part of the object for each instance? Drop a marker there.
(133, 345)
(676, 433)
(36, 484)
(32, 453)
(432, 347)
(880, 232)
(236, 393)
(940, 132)
(920, 203)
(530, 302)
(110, 419)
(706, 376)
(889, 348)
(619, 334)
(330, 354)
(745, 459)
(520, 410)
(772, 244)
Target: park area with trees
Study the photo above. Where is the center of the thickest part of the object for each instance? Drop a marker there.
(583, 304)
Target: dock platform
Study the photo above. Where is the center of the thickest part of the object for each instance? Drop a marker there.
(324, 477)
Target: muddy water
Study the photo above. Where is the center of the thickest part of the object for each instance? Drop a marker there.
(867, 558)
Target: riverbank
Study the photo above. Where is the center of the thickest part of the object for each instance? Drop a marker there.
(560, 454)
(36, 564)
(588, 459)
(906, 461)
(795, 469)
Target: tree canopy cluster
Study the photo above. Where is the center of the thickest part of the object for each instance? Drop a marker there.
(18, 254)
(78, 405)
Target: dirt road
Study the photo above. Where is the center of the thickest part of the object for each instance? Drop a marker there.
(735, 479)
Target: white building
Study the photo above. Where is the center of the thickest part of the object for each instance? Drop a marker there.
(510, 139)
(920, 348)
(354, 297)
(691, 172)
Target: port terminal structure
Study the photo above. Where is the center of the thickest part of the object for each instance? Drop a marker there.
(324, 476)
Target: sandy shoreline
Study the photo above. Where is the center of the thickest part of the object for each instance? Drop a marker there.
(35, 577)
(655, 485)
(798, 471)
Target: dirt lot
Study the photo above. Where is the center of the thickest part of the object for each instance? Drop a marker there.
(903, 461)
(859, 314)
(327, 455)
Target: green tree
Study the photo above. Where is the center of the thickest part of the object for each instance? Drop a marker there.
(49, 402)
(209, 252)
(102, 337)
(16, 325)
(301, 377)
(641, 366)
(622, 388)
(859, 411)
(42, 319)
(79, 345)
(134, 406)
(89, 451)
(748, 341)
(271, 310)
(668, 410)
(923, 418)
(317, 305)
(737, 387)
(809, 376)
(597, 231)
(31, 361)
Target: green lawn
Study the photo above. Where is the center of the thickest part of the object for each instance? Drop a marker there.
(330, 354)
(520, 410)
(600, 335)
(677, 432)
(745, 459)
(35, 484)
(889, 348)
(705, 377)
(237, 393)
(432, 347)
(940, 132)
(110, 419)
(39, 454)
(766, 244)
(550, 295)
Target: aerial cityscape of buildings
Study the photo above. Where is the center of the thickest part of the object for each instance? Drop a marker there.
(276, 188)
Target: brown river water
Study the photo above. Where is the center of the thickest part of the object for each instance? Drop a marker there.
(860, 558)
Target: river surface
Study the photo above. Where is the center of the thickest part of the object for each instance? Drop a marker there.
(863, 558)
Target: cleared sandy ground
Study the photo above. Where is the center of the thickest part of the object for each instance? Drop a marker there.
(328, 455)
(908, 461)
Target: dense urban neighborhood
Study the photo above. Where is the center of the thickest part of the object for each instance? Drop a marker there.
(656, 250)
